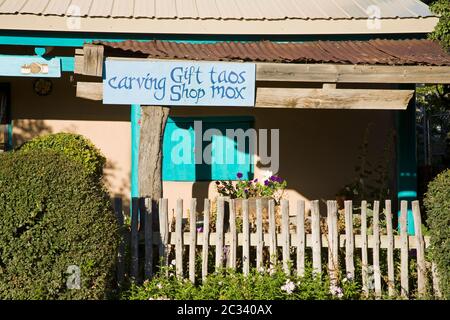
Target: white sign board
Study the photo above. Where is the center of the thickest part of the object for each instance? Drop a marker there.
(179, 83)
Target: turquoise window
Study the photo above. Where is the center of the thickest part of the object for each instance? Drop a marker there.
(180, 143)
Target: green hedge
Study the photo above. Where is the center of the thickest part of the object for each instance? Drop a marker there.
(53, 217)
(437, 202)
(74, 146)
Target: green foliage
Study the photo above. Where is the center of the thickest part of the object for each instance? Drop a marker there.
(273, 187)
(53, 217)
(437, 203)
(74, 146)
(227, 284)
(442, 30)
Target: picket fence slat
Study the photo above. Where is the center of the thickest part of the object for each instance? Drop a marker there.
(301, 237)
(233, 231)
(364, 253)
(376, 248)
(134, 272)
(349, 239)
(260, 236)
(272, 234)
(219, 233)
(205, 245)
(148, 237)
(193, 239)
(163, 238)
(390, 249)
(420, 250)
(316, 238)
(179, 238)
(246, 238)
(333, 241)
(404, 249)
(285, 234)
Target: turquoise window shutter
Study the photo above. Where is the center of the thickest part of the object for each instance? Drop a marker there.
(179, 140)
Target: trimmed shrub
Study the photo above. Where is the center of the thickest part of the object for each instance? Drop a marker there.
(52, 217)
(74, 146)
(437, 203)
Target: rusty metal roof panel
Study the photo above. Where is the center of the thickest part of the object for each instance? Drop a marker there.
(223, 9)
(386, 52)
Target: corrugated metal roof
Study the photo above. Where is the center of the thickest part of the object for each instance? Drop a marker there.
(220, 9)
(387, 52)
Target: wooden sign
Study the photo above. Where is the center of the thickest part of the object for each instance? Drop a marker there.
(185, 83)
(29, 66)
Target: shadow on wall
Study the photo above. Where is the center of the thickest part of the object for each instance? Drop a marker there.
(25, 130)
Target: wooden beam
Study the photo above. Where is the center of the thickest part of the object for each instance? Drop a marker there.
(330, 73)
(339, 73)
(93, 60)
(302, 98)
(332, 98)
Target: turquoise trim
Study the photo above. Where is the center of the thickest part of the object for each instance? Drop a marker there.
(407, 158)
(135, 128)
(77, 39)
(407, 194)
(67, 64)
(40, 51)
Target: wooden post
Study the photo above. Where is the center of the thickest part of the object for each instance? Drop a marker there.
(163, 231)
(364, 255)
(153, 122)
(122, 243)
(272, 233)
(376, 248)
(192, 239)
(246, 243)
(179, 239)
(420, 250)
(315, 234)
(333, 241)
(404, 249)
(146, 208)
(390, 249)
(301, 237)
(205, 239)
(233, 231)
(349, 239)
(134, 240)
(285, 235)
(259, 235)
(219, 232)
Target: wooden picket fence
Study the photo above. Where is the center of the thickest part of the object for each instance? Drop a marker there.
(151, 229)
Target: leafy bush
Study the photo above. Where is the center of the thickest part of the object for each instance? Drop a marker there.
(273, 187)
(437, 203)
(272, 284)
(74, 146)
(53, 217)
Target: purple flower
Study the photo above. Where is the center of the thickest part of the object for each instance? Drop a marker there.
(266, 182)
(239, 175)
(273, 178)
(246, 191)
(200, 229)
(256, 180)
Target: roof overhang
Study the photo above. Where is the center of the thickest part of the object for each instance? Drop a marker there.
(212, 26)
